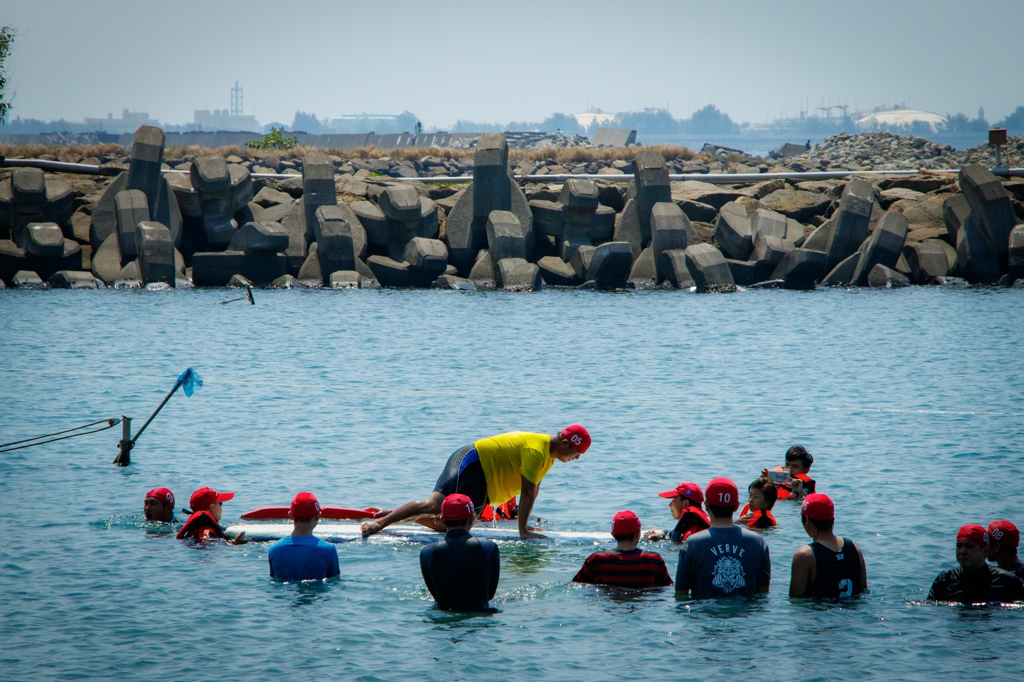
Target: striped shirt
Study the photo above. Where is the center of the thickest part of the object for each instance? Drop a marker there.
(634, 568)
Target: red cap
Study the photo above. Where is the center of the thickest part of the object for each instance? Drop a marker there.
(165, 495)
(690, 491)
(577, 436)
(722, 492)
(1003, 532)
(972, 532)
(819, 507)
(304, 507)
(204, 497)
(625, 523)
(456, 508)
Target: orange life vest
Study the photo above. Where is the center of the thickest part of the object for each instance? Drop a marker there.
(761, 518)
(503, 512)
(692, 520)
(201, 526)
(786, 492)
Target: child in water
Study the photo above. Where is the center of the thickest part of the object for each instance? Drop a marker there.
(757, 513)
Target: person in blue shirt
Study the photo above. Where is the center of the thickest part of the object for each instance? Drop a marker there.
(300, 556)
(460, 571)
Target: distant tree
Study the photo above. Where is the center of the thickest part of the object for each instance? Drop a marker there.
(308, 123)
(710, 120)
(649, 122)
(564, 122)
(6, 40)
(1014, 123)
(464, 126)
(960, 123)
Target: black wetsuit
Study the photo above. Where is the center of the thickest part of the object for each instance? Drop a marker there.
(987, 584)
(836, 574)
(464, 474)
(1017, 569)
(461, 571)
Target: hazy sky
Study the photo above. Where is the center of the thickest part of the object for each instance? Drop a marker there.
(502, 61)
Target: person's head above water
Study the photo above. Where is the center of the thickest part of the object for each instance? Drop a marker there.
(457, 511)
(972, 547)
(305, 513)
(683, 495)
(1003, 541)
(569, 443)
(208, 499)
(159, 505)
(817, 514)
(798, 460)
(722, 497)
(626, 529)
(762, 494)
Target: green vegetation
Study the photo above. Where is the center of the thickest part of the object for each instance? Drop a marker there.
(6, 39)
(275, 139)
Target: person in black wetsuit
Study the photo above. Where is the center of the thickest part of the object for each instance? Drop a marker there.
(1002, 547)
(830, 567)
(974, 581)
(461, 571)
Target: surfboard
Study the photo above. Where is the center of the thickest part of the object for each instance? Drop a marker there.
(347, 532)
(344, 513)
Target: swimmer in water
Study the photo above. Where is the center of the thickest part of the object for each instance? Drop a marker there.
(461, 571)
(799, 462)
(685, 508)
(761, 496)
(625, 566)
(974, 581)
(1002, 547)
(493, 471)
(300, 556)
(204, 523)
(830, 567)
(159, 505)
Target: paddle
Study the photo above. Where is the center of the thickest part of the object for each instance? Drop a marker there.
(325, 513)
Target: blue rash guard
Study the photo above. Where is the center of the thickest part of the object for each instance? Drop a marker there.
(303, 557)
(461, 571)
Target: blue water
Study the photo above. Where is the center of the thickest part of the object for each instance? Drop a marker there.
(911, 401)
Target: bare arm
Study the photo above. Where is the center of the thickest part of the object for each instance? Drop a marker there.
(802, 575)
(526, 499)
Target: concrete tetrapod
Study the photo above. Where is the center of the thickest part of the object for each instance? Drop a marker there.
(732, 231)
(43, 240)
(978, 264)
(801, 268)
(651, 184)
(317, 189)
(883, 277)
(955, 210)
(1015, 269)
(556, 272)
(517, 274)
(926, 261)
(708, 269)
(668, 232)
(256, 237)
(883, 247)
(610, 264)
(335, 245)
(851, 221)
(990, 203)
(155, 250)
(644, 273)
(842, 274)
(132, 208)
(673, 264)
(504, 237)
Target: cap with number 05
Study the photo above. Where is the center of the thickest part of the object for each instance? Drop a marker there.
(722, 492)
(577, 436)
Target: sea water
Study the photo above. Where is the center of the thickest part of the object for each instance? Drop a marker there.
(910, 401)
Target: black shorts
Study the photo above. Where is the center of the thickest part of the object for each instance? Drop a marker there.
(464, 474)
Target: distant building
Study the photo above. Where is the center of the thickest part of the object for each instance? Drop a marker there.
(900, 117)
(220, 119)
(128, 123)
(594, 115)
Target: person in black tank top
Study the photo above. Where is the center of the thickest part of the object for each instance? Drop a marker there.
(830, 567)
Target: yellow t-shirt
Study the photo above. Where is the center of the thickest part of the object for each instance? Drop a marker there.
(508, 456)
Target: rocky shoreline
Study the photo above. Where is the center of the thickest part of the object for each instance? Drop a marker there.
(370, 219)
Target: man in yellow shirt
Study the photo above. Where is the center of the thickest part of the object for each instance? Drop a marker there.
(493, 471)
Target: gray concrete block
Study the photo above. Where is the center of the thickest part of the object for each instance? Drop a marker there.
(745, 273)
(556, 272)
(883, 247)
(400, 203)
(771, 249)
(258, 237)
(214, 269)
(610, 265)
(240, 282)
(287, 282)
(60, 201)
(209, 175)
(144, 168)
(887, 278)
(264, 268)
(74, 279)
(842, 274)
(294, 225)
(335, 244)
(991, 205)
(765, 223)
(28, 186)
(491, 188)
(578, 193)
(801, 268)
(604, 223)
(389, 272)
(155, 250)
(428, 225)
(275, 214)
(580, 261)
(818, 240)
(517, 274)
(427, 255)
(732, 231)
(219, 229)
(676, 271)
(463, 240)
(708, 269)
(628, 230)
(955, 210)
(317, 186)
(345, 279)
(613, 137)
(43, 240)
(926, 261)
(1015, 258)
(373, 221)
(504, 236)
(454, 283)
(130, 276)
(241, 186)
(27, 279)
(482, 272)
(268, 196)
(977, 259)
(310, 269)
(547, 217)
(521, 209)
(644, 272)
(132, 208)
(851, 221)
(650, 180)
(951, 258)
(187, 196)
(106, 260)
(668, 232)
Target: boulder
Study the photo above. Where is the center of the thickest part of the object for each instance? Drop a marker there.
(650, 180)
(517, 274)
(851, 221)
(955, 210)
(259, 237)
(580, 261)
(335, 244)
(132, 208)
(556, 272)
(427, 255)
(610, 265)
(732, 231)
(800, 205)
(400, 203)
(771, 250)
(705, 193)
(842, 274)
(74, 279)
(765, 223)
(991, 205)
(482, 273)
(345, 279)
(1016, 254)
(389, 272)
(668, 232)
(214, 269)
(883, 247)
(927, 261)
(155, 250)
(975, 256)
(696, 210)
(504, 237)
(43, 240)
(628, 228)
(745, 273)
(673, 264)
(644, 272)
(887, 278)
(801, 268)
(27, 279)
(708, 269)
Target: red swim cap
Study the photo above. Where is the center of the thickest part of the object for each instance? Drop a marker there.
(625, 523)
(204, 497)
(690, 491)
(819, 507)
(304, 507)
(456, 508)
(972, 532)
(1005, 533)
(577, 436)
(723, 493)
(162, 494)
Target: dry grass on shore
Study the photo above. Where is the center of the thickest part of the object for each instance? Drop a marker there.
(70, 154)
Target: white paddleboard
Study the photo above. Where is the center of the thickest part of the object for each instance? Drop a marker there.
(346, 532)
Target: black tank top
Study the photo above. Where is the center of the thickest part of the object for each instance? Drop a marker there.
(837, 574)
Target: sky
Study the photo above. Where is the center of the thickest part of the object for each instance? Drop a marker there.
(511, 61)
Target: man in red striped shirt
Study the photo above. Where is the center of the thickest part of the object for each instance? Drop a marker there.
(625, 566)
